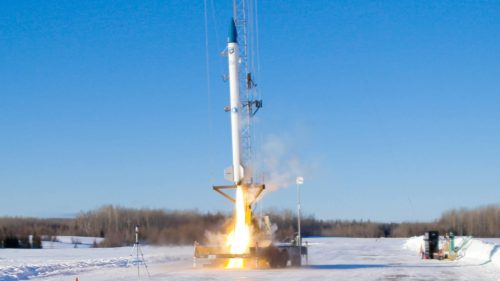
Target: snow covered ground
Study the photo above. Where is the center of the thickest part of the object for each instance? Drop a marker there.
(329, 259)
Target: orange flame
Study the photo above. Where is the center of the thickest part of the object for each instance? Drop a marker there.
(239, 239)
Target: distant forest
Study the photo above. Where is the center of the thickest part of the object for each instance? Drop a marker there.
(116, 226)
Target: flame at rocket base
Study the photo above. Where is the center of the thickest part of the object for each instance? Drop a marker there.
(239, 238)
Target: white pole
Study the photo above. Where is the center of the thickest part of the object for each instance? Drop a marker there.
(298, 215)
(299, 235)
(300, 180)
(137, 248)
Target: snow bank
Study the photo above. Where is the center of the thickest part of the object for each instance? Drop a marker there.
(483, 252)
(414, 243)
(79, 239)
(71, 242)
(477, 251)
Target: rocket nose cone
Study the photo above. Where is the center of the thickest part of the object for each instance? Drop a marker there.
(233, 33)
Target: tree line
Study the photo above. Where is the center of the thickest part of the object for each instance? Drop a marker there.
(116, 225)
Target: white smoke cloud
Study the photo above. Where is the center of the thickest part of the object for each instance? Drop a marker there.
(280, 163)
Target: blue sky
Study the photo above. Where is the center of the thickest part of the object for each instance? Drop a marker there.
(393, 107)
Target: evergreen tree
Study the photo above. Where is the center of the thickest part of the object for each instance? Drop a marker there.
(36, 242)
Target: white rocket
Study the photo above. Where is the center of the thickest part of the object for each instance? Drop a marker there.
(234, 107)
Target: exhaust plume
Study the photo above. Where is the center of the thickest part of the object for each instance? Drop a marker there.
(279, 163)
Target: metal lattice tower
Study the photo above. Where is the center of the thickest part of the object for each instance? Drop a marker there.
(243, 14)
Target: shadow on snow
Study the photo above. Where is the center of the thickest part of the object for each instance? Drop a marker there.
(388, 265)
(345, 266)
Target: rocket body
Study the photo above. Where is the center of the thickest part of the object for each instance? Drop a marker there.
(234, 94)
